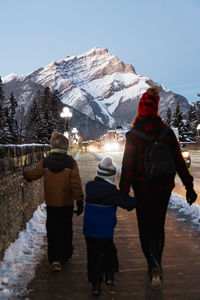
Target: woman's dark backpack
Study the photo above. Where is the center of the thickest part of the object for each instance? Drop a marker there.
(158, 158)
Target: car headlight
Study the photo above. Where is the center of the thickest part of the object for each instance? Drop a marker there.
(115, 146)
(108, 147)
(91, 149)
(185, 154)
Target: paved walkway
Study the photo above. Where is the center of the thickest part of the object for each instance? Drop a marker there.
(181, 261)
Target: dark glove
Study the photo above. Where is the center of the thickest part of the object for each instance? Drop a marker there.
(79, 209)
(191, 196)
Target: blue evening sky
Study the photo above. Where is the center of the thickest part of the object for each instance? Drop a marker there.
(160, 38)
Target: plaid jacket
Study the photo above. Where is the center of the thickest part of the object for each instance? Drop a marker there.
(133, 173)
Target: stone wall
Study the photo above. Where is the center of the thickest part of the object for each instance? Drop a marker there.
(18, 199)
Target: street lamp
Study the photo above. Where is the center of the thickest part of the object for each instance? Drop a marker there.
(74, 130)
(66, 114)
(75, 135)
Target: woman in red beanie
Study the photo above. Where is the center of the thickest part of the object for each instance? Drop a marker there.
(152, 194)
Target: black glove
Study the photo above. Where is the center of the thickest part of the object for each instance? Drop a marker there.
(79, 209)
(191, 196)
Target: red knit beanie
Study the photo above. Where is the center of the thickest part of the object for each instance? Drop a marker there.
(148, 104)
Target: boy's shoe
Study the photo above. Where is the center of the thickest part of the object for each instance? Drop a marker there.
(56, 266)
(109, 278)
(96, 289)
(156, 279)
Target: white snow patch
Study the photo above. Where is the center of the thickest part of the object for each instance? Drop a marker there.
(20, 259)
(189, 212)
(9, 77)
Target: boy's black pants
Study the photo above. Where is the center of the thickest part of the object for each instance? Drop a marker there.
(59, 233)
(101, 258)
(151, 211)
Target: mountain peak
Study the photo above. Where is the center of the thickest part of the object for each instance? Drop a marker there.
(9, 77)
(95, 51)
(98, 84)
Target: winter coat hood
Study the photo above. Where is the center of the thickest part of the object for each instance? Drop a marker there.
(56, 162)
(99, 191)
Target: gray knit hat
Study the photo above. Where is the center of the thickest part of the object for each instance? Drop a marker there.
(59, 141)
(106, 169)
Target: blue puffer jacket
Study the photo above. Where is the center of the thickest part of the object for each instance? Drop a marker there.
(102, 199)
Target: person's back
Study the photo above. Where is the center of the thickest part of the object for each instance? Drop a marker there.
(102, 199)
(62, 187)
(100, 215)
(152, 194)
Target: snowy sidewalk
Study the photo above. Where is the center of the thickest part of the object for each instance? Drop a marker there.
(25, 269)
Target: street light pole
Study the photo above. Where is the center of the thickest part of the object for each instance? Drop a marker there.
(66, 114)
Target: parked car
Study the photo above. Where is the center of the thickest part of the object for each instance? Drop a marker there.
(84, 146)
(186, 155)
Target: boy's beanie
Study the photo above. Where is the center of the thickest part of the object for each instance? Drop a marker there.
(148, 104)
(59, 141)
(105, 168)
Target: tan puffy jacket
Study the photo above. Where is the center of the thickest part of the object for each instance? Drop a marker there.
(62, 183)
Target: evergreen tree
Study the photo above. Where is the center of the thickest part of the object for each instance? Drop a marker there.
(32, 123)
(8, 136)
(168, 117)
(44, 116)
(197, 105)
(191, 122)
(1, 89)
(177, 121)
(5, 133)
(46, 125)
(1, 113)
(55, 109)
(13, 126)
(21, 123)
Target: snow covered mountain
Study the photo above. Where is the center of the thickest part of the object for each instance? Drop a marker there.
(97, 84)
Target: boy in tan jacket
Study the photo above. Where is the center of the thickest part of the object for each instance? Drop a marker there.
(62, 185)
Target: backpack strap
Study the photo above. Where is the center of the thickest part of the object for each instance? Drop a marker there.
(141, 134)
(163, 132)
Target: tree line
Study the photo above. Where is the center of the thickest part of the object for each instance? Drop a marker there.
(43, 117)
(186, 123)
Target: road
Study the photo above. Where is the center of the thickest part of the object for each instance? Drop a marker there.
(195, 172)
(179, 188)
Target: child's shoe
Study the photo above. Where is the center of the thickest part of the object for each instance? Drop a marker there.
(55, 266)
(156, 279)
(109, 278)
(96, 289)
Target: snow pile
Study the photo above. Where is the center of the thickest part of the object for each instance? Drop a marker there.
(22, 256)
(191, 213)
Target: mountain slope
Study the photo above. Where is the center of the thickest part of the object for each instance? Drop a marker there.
(98, 84)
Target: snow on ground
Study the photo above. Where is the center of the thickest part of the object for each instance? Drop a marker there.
(184, 211)
(20, 260)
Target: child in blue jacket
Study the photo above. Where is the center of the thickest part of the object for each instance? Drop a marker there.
(102, 199)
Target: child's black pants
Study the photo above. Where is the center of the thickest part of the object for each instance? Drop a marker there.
(101, 258)
(59, 233)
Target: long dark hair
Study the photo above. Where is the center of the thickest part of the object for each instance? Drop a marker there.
(136, 117)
